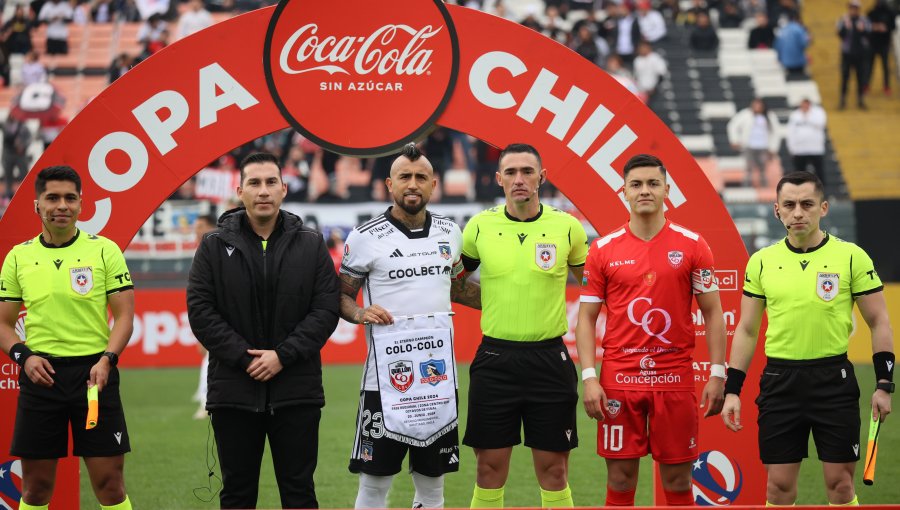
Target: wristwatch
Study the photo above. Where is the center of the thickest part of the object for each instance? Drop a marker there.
(113, 358)
(885, 386)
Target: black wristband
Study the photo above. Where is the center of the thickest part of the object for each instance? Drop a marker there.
(20, 352)
(883, 363)
(734, 381)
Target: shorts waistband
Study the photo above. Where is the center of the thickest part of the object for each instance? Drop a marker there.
(808, 363)
(521, 344)
(90, 359)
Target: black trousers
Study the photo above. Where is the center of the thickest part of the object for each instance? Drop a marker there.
(859, 64)
(882, 52)
(817, 162)
(293, 434)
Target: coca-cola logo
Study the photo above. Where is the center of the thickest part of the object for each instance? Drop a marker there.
(370, 55)
(380, 77)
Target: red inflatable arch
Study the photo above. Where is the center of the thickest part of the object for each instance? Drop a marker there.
(363, 81)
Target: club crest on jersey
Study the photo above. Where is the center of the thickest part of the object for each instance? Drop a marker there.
(82, 279)
(706, 278)
(433, 371)
(613, 407)
(828, 285)
(650, 278)
(545, 255)
(401, 374)
(676, 258)
(444, 250)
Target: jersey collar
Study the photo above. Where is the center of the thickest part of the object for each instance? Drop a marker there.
(814, 248)
(526, 220)
(420, 234)
(70, 242)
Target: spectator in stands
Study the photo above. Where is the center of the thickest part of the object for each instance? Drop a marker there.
(692, 14)
(556, 27)
(806, 138)
(754, 7)
(589, 46)
(151, 47)
(102, 11)
(670, 10)
(854, 30)
(703, 35)
(884, 22)
(57, 14)
(195, 19)
(33, 71)
(763, 35)
(296, 176)
(17, 137)
(755, 131)
(152, 29)
(531, 21)
(617, 70)
(627, 34)
(652, 23)
(791, 45)
(121, 65)
(731, 15)
(81, 12)
(16, 33)
(649, 69)
(335, 245)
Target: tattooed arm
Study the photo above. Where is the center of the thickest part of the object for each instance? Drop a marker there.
(352, 312)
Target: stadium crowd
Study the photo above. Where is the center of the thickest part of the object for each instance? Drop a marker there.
(618, 35)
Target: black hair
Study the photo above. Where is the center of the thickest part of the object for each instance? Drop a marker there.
(411, 152)
(56, 173)
(258, 157)
(799, 178)
(208, 218)
(520, 148)
(643, 160)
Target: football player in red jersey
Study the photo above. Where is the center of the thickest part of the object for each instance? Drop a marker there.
(647, 272)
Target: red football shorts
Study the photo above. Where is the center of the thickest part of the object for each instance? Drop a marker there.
(663, 423)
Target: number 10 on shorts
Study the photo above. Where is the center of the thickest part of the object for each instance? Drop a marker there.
(612, 437)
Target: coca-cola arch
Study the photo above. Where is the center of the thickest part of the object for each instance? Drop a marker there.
(161, 122)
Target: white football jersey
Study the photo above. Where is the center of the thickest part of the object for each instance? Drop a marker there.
(405, 272)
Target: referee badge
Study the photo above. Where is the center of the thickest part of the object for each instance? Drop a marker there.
(545, 255)
(828, 285)
(82, 279)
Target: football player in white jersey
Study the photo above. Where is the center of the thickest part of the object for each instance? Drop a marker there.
(409, 262)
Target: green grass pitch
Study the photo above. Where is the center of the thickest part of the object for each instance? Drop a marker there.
(168, 464)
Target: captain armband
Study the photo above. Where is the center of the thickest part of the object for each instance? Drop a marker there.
(735, 381)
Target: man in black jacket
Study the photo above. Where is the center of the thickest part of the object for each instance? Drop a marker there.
(263, 298)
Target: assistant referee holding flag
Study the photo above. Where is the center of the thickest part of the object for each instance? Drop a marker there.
(67, 278)
(807, 283)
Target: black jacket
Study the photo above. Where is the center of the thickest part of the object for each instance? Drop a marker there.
(286, 299)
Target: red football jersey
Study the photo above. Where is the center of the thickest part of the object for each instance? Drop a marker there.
(648, 287)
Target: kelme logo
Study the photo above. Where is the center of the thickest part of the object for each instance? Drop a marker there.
(378, 81)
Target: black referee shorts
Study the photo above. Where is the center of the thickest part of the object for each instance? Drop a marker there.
(797, 397)
(43, 414)
(516, 384)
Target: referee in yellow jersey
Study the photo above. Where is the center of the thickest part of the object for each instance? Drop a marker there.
(522, 373)
(67, 278)
(807, 283)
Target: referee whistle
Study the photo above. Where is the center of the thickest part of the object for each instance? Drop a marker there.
(93, 400)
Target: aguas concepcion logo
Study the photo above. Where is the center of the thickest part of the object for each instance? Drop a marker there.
(388, 74)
